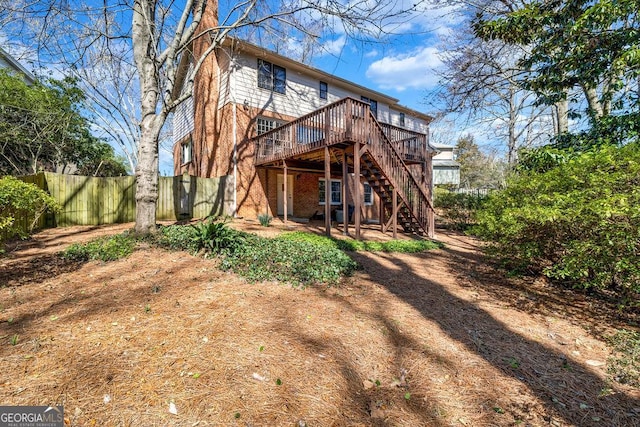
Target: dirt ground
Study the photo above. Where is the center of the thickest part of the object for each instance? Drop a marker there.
(432, 339)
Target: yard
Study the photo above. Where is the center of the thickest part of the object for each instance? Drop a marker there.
(437, 338)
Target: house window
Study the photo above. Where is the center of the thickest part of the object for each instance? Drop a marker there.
(373, 105)
(324, 89)
(264, 125)
(185, 156)
(401, 119)
(271, 77)
(336, 191)
(368, 194)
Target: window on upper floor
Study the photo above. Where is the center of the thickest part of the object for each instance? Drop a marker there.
(401, 119)
(373, 105)
(271, 76)
(265, 124)
(324, 90)
(186, 152)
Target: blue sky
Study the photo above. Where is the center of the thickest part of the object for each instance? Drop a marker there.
(402, 65)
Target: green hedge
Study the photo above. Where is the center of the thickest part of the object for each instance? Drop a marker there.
(579, 221)
(458, 210)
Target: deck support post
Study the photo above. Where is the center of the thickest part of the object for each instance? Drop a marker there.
(395, 213)
(356, 188)
(285, 190)
(327, 191)
(381, 215)
(345, 194)
(266, 184)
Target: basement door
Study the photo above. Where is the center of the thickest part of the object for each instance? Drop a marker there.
(280, 182)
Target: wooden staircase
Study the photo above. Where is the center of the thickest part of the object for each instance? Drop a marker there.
(405, 198)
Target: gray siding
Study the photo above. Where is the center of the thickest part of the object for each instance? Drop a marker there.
(302, 94)
(446, 175)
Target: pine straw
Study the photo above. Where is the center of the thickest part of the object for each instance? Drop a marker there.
(405, 342)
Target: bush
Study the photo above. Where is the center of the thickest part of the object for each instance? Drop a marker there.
(458, 209)
(214, 237)
(109, 248)
(579, 222)
(18, 200)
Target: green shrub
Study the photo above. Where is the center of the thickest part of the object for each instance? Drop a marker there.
(108, 248)
(18, 200)
(214, 237)
(578, 222)
(265, 220)
(211, 236)
(458, 209)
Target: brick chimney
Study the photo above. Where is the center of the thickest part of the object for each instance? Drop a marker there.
(205, 99)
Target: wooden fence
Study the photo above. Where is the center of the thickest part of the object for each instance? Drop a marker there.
(95, 201)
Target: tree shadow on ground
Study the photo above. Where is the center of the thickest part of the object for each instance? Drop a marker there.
(596, 311)
(570, 392)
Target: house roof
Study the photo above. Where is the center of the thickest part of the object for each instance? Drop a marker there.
(291, 64)
(16, 66)
(445, 163)
(441, 146)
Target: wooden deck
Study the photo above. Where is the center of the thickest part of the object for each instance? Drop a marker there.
(346, 133)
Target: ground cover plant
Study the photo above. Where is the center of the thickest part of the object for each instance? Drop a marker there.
(108, 248)
(299, 258)
(406, 246)
(624, 364)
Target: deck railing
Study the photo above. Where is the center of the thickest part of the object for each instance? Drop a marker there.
(409, 190)
(341, 121)
(411, 145)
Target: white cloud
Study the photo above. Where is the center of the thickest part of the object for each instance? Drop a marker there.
(371, 54)
(406, 71)
(334, 47)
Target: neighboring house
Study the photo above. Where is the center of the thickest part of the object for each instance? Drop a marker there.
(301, 143)
(9, 62)
(445, 168)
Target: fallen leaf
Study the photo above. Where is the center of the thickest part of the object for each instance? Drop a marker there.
(172, 408)
(594, 363)
(258, 377)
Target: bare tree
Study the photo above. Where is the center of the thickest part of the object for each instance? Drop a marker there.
(153, 35)
(481, 81)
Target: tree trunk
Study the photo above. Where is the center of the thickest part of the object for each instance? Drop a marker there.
(595, 107)
(562, 116)
(513, 117)
(147, 175)
(144, 51)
